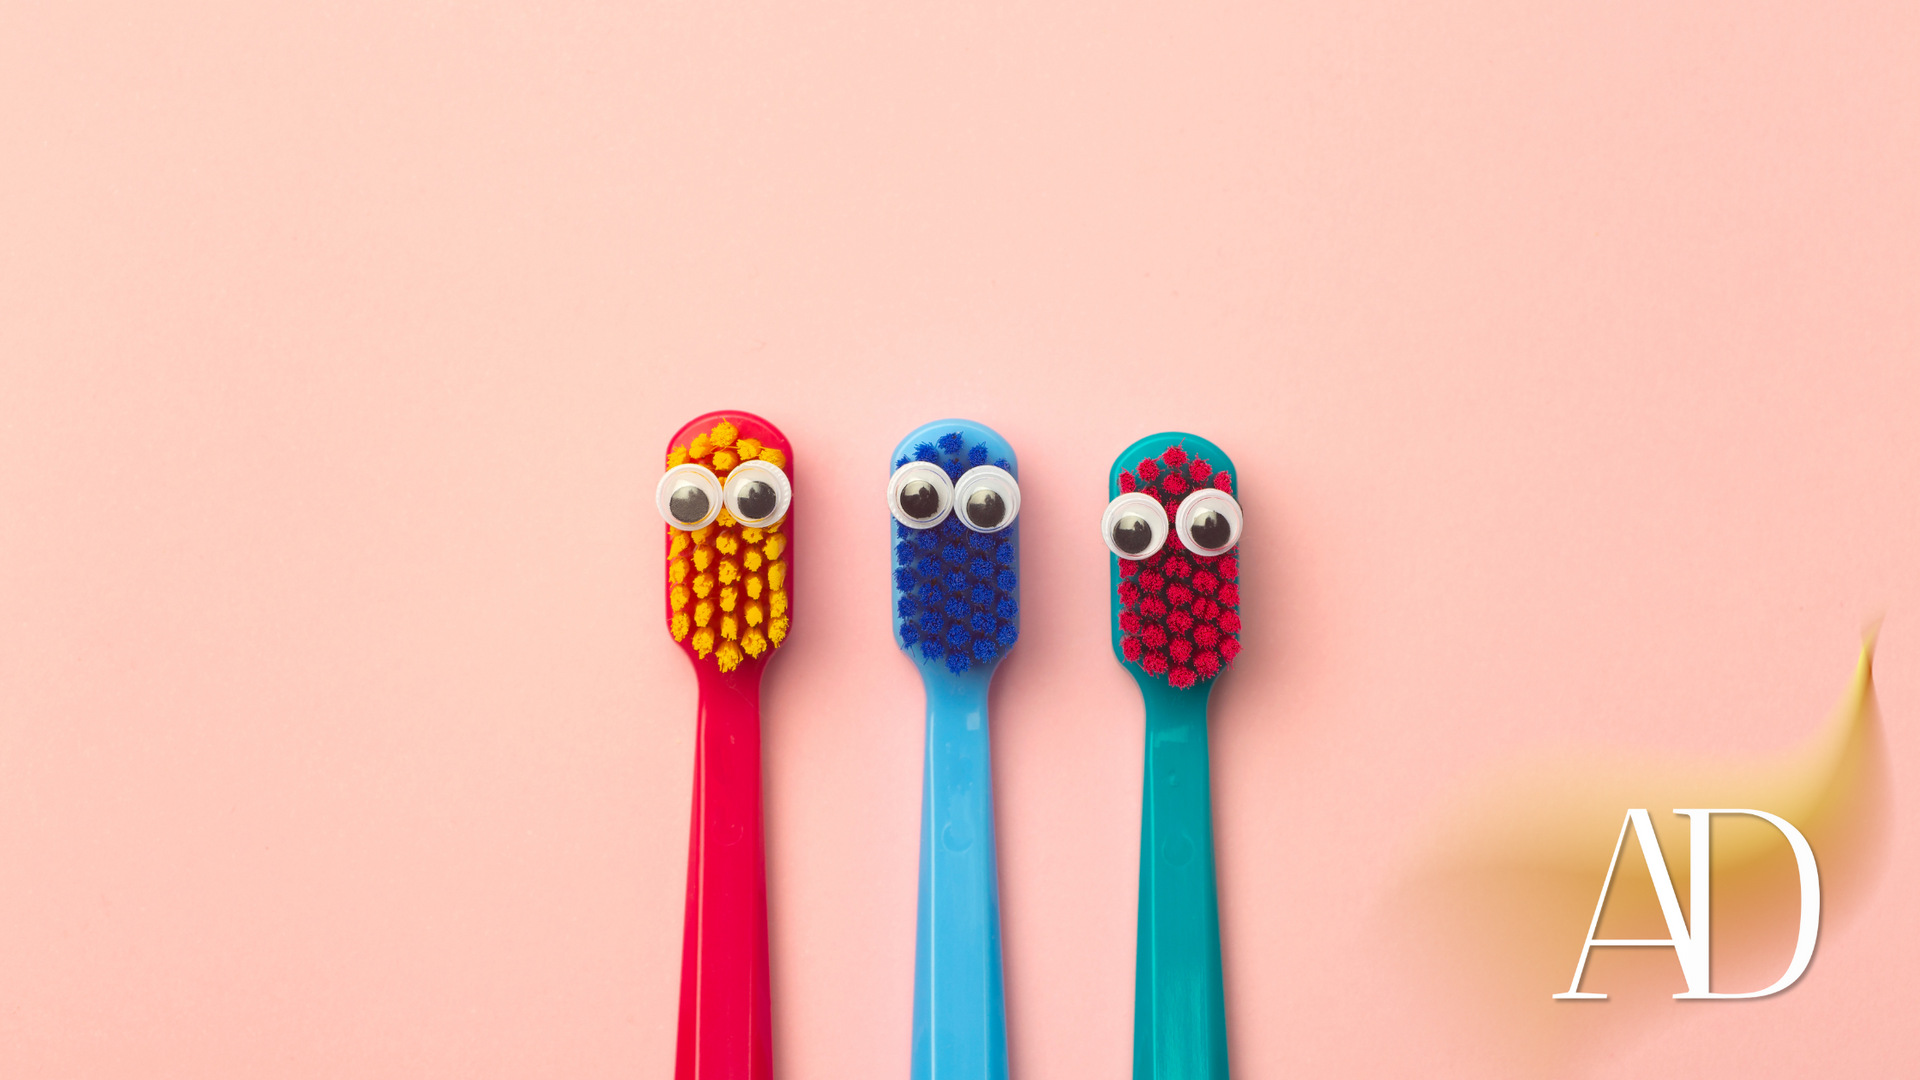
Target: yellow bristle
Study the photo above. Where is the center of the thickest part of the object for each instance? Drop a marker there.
(702, 446)
(729, 571)
(777, 631)
(679, 625)
(702, 534)
(748, 448)
(729, 627)
(729, 596)
(702, 642)
(680, 595)
(703, 558)
(774, 546)
(702, 585)
(755, 616)
(754, 585)
(726, 543)
(752, 535)
(676, 457)
(679, 543)
(703, 613)
(777, 574)
(728, 656)
(755, 643)
(724, 433)
(725, 520)
(773, 457)
(677, 571)
(724, 460)
(752, 559)
(779, 603)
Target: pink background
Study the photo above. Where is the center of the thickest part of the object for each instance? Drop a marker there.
(1569, 359)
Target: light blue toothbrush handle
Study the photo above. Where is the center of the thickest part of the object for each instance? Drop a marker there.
(959, 1013)
(1179, 1005)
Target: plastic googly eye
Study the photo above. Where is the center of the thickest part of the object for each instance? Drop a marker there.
(688, 497)
(920, 495)
(1208, 521)
(1134, 525)
(758, 494)
(987, 498)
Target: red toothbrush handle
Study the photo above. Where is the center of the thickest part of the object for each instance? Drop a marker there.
(726, 1018)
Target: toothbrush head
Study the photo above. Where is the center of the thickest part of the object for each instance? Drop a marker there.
(727, 499)
(1173, 530)
(955, 499)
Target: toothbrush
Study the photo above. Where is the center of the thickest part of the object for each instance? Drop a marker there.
(1173, 528)
(727, 500)
(955, 499)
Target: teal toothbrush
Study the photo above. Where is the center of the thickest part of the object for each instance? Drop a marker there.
(1173, 528)
(955, 501)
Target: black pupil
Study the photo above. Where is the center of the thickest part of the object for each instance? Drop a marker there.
(1132, 534)
(1209, 529)
(986, 508)
(756, 499)
(687, 503)
(919, 499)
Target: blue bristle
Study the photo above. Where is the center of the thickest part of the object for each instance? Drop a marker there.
(926, 540)
(1006, 608)
(926, 451)
(955, 581)
(902, 461)
(977, 456)
(981, 595)
(903, 578)
(951, 442)
(957, 635)
(928, 566)
(980, 568)
(953, 555)
(931, 597)
(1002, 464)
(957, 662)
(956, 608)
(955, 469)
(1007, 580)
(909, 634)
(931, 648)
(1007, 634)
(984, 650)
(982, 623)
(952, 530)
(930, 622)
(1004, 553)
(903, 552)
(905, 605)
(903, 531)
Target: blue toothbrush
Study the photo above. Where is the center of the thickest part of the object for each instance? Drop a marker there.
(955, 501)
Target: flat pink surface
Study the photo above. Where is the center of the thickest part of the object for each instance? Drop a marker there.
(1570, 360)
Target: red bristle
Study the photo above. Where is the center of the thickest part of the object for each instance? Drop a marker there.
(1179, 622)
(1153, 607)
(1149, 470)
(1155, 663)
(1204, 582)
(1206, 609)
(1230, 595)
(1130, 622)
(1177, 568)
(1180, 678)
(1175, 483)
(1130, 648)
(1154, 559)
(1128, 568)
(1154, 636)
(1129, 593)
(1229, 568)
(1223, 482)
(1207, 664)
(1174, 456)
(1180, 648)
(1199, 470)
(1229, 648)
(1230, 621)
(1179, 594)
(1152, 582)
(1206, 634)
(1172, 507)
(1126, 482)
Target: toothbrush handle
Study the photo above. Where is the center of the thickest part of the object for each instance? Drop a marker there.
(726, 1018)
(959, 1013)
(1179, 1005)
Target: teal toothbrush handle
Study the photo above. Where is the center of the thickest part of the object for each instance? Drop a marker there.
(959, 1011)
(1179, 1004)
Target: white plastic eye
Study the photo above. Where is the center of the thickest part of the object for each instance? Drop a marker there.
(988, 497)
(688, 497)
(757, 494)
(920, 495)
(1208, 521)
(1135, 525)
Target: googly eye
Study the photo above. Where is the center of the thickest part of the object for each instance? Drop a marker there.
(988, 498)
(1208, 521)
(920, 495)
(1134, 526)
(757, 494)
(688, 497)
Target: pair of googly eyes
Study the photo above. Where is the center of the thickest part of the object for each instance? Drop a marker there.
(1135, 524)
(756, 494)
(921, 496)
